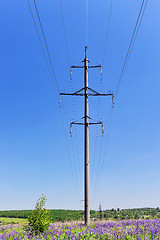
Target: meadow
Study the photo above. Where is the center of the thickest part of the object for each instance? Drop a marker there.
(63, 215)
(5, 220)
(109, 230)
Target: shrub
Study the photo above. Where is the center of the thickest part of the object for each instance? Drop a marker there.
(39, 220)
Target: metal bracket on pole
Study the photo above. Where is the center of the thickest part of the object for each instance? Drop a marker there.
(71, 129)
(70, 71)
(112, 99)
(92, 93)
(59, 99)
(102, 129)
(101, 71)
(90, 123)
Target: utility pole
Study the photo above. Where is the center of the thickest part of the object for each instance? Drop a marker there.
(100, 211)
(86, 92)
(86, 144)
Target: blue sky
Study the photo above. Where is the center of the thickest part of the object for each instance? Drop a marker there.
(33, 151)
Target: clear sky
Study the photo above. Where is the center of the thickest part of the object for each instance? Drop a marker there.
(34, 157)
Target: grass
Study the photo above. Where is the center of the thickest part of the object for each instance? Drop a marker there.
(5, 221)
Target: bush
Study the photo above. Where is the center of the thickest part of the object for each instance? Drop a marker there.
(39, 220)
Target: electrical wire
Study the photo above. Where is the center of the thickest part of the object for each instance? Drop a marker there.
(96, 133)
(100, 165)
(65, 35)
(133, 38)
(77, 148)
(73, 100)
(41, 44)
(75, 178)
(73, 153)
(75, 129)
(136, 29)
(45, 55)
(108, 25)
(134, 35)
(96, 137)
(105, 148)
(57, 90)
(46, 45)
(140, 21)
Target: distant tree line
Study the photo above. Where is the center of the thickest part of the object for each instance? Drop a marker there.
(136, 213)
(73, 215)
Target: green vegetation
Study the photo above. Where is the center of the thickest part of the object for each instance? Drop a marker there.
(105, 230)
(137, 213)
(74, 215)
(16, 213)
(39, 221)
(5, 221)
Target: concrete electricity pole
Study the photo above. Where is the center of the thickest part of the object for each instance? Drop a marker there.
(86, 143)
(86, 92)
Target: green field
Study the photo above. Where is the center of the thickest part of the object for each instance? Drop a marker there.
(5, 221)
(61, 215)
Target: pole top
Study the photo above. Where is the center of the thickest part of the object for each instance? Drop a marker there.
(86, 51)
